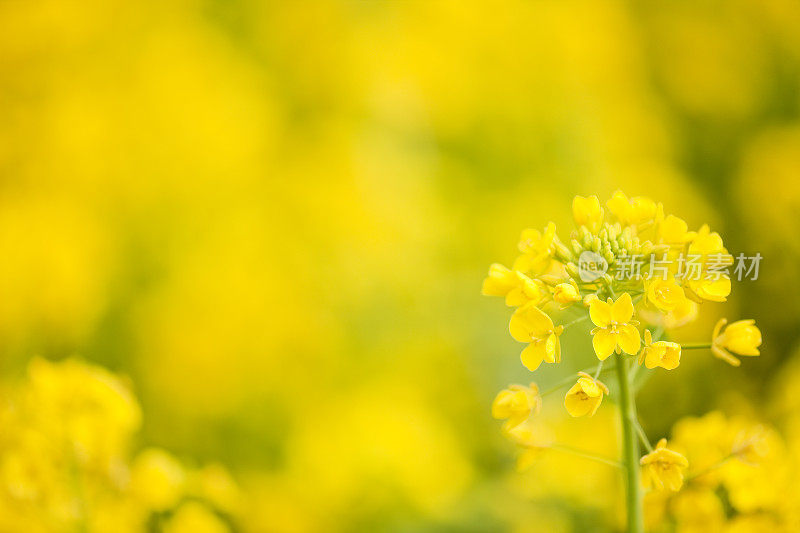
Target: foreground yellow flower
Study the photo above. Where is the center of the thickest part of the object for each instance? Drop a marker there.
(587, 212)
(665, 354)
(585, 396)
(741, 337)
(516, 403)
(615, 330)
(530, 324)
(663, 468)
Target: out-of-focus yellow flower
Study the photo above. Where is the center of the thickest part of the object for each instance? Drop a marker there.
(663, 468)
(664, 294)
(674, 230)
(698, 510)
(566, 293)
(587, 212)
(615, 330)
(532, 325)
(194, 517)
(537, 249)
(157, 479)
(214, 484)
(665, 354)
(632, 211)
(516, 403)
(741, 337)
(532, 440)
(585, 396)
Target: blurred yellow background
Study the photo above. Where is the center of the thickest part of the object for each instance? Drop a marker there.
(275, 217)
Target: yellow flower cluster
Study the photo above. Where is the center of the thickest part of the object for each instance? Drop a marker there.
(635, 272)
(65, 462)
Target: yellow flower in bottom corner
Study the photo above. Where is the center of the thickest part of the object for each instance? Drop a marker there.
(531, 324)
(741, 337)
(585, 396)
(615, 330)
(516, 403)
(663, 468)
(665, 354)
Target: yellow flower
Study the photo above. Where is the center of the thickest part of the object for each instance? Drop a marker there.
(537, 249)
(194, 517)
(527, 290)
(661, 353)
(741, 337)
(566, 293)
(517, 288)
(157, 479)
(516, 403)
(499, 281)
(664, 294)
(663, 468)
(615, 330)
(674, 230)
(707, 244)
(530, 324)
(587, 212)
(585, 396)
(533, 442)
(631, 212)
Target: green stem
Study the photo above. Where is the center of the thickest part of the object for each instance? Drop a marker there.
(696, 346)
(585, 455)
(630, 446)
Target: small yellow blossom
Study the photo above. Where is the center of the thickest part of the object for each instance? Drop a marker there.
(674, 230)
(709, 247)
(516, 403)
(664, 294)
(500, 281)
(665, 354)
(741, 337)
(532, 440)
(530, 324)
(587, 212)
(631, 212)
(663, 468)
(537, 249)
(585, 396)
(615, 330)
(157, 479)
(566, 293)
(517, 288)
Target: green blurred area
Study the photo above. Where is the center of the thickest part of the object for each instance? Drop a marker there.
(276, 216)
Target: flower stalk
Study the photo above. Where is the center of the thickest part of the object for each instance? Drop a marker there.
(630, 449)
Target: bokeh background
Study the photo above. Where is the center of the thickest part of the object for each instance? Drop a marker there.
(275, 217)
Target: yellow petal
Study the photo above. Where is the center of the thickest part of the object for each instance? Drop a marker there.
(529, 322)
(604, 343)
(600, 313)
(622, 310)
(629, 339)
(533, 355)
